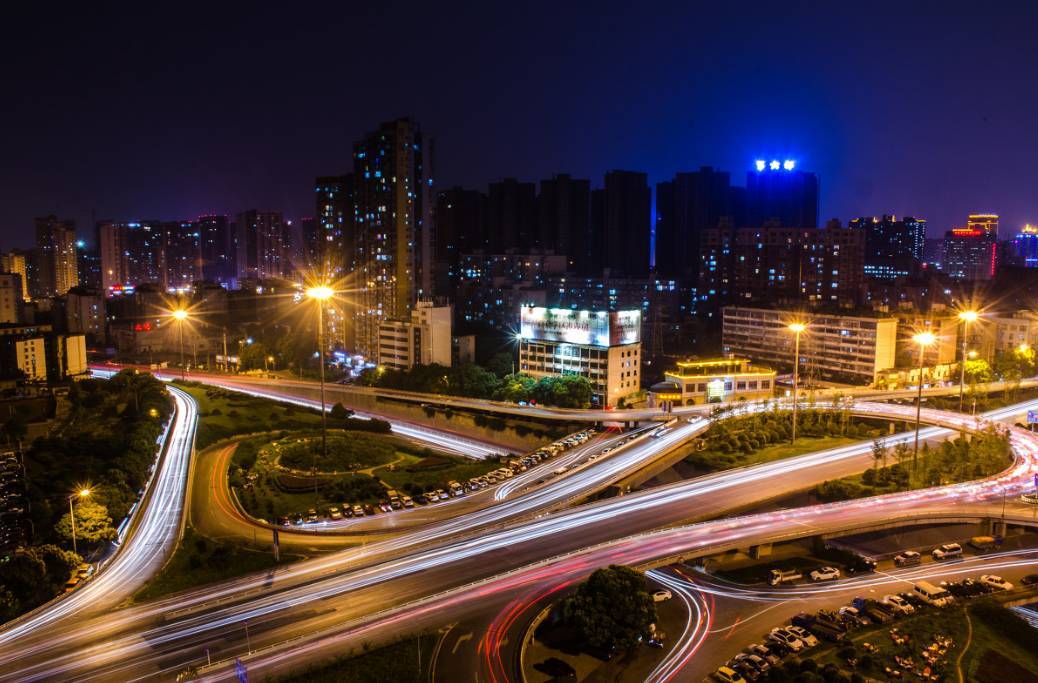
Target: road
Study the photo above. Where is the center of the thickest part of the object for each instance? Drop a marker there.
(376, 592)
(337, 392)
(147, 542)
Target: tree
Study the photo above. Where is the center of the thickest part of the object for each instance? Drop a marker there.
(253, 356)
(978, 371)
(879, 453)
(501, 364)
(611, 609)
(34, 576)
(93, 525)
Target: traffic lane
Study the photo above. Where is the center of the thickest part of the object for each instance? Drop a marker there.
(625, 503)
(743, 617)
(460, 646)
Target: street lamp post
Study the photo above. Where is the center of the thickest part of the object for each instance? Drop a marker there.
(180, 315)
(797, 329)
(967, 318)
(923, 339)
(83, 493)
(320, 294)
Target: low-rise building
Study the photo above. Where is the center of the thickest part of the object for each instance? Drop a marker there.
(845, 348)
(713, 381)
(604, 346)
(423, 339)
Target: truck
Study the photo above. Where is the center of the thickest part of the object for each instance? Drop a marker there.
(777, 577)
(982, 543)
(821, 626)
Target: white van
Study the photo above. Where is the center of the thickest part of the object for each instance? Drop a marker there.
(932, 595)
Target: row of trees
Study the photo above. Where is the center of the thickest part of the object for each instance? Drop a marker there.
(748, 433)
(473, 381)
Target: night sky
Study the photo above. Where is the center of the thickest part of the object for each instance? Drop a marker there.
(132, 113)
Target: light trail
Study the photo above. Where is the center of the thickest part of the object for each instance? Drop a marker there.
(695, 631)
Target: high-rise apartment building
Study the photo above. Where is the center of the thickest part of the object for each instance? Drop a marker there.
(773, 264)
(563, 219)
(11, 298)
(262, 245)
(970, 254)
(621, 224)
(687, 205)
(56, 256)
(423, 339)
(217, 247)
(776, 191)
(329, 246)
(132, 253)
(893, 248)
(393, 222)
(16, 262)
(182, 254)
(512, 215)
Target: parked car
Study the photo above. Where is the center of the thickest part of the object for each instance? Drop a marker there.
(783, 636)
(947, 551)
(358, 511)
(765, 653)
(804, 635)
(909, 558)
(899, 604)
(1030, 580)
(932, 595)
(728, 675)
(996, 582)
(825, 574)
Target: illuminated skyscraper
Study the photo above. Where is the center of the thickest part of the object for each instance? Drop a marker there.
(1022, 250)
(56, 253)
(262, 245)
(216, 244)
(970, 254)
(988, 222)
(329, 242)
(893, 248)
(132, 253)
(16, 262)
(393, 222)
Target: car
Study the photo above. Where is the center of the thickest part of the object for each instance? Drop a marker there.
(727, 674)
(947, 551)
(825, 574)
(298, 520)
(791, 642)
(771, 656)
(899, 604)
(996, 582)
(407, 501)
(804, 635)
(334, 513)
(284, 521)
(744, 668)
(1030, 580)
(909, 558)
(71, 584)
(358, 511)
(395, 504)
(661, 595)
(758, 663)
(368, 509)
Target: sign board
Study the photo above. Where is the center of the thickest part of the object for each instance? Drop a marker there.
(589, 328)
(1032, 417)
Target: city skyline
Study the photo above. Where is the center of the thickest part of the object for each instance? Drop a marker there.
(544, 111)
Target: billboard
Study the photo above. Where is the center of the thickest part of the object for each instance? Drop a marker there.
(590, 328)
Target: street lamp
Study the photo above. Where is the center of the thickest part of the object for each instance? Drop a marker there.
(180, 315)
(967, 318)
(923, 339)
(82, 493)
(797, 329)
(320, 294)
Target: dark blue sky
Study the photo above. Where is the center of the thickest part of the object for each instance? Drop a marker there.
(924, 108)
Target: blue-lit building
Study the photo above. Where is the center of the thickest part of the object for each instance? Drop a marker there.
(1022, 250)
(777, 191)
(893, 248)
(329, 239)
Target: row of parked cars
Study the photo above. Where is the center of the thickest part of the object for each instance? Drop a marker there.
(807, 629)
(454, 489)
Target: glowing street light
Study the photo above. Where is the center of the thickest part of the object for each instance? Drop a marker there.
(320, 294)
(82, 493)
(967, 317)
(924, 340)
(180, 315)
(797, 329)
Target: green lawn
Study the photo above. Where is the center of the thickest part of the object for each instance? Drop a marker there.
(224, 413)
(198, 561)
(403, 662)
